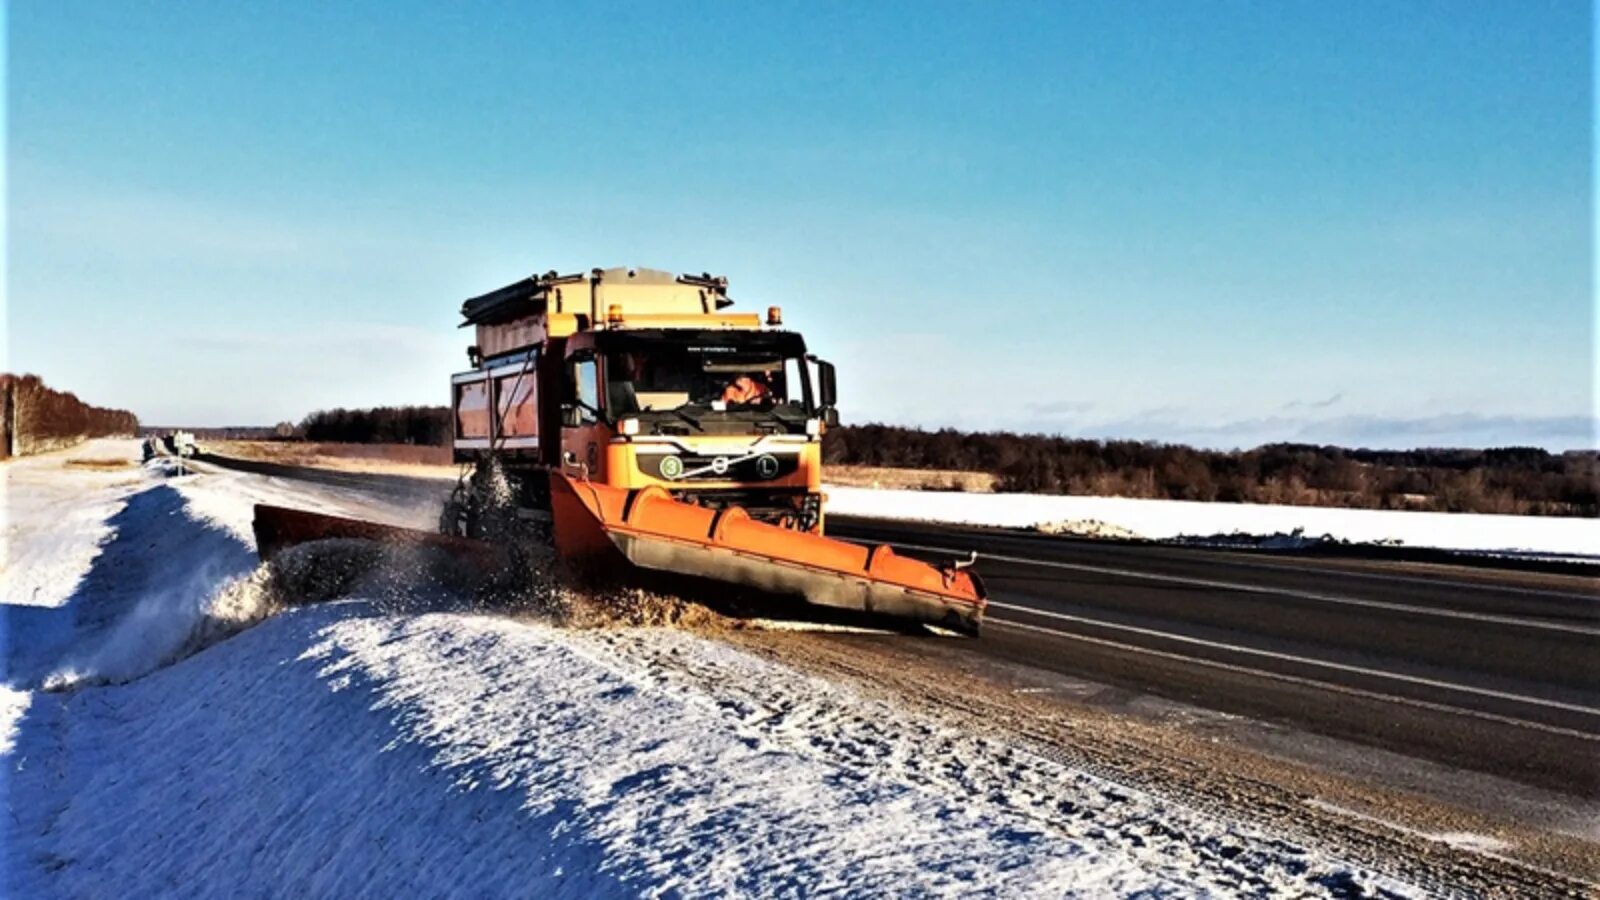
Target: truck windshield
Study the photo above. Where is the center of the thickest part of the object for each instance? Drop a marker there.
(668, 376)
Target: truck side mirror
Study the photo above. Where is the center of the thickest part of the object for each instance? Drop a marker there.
(827, 390)
(830, 417)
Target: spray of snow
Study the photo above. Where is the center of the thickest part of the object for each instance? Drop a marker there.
(181, 618)
(13, 706)
(175, 622)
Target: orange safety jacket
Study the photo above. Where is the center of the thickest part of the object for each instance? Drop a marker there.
(744, 390)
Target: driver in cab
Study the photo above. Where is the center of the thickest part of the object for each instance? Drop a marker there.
(749, 389)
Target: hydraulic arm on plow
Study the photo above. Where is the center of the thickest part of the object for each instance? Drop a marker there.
(655, 430)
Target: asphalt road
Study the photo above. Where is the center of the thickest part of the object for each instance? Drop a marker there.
(1497, 671)
(1492, 670)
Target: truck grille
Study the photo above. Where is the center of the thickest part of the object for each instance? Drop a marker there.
(688, 468)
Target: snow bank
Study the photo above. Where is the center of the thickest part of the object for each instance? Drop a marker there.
(109, 574)
(333, 751)
(1168, 519)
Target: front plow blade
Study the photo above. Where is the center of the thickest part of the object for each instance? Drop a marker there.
(654, 531)
(278, 528)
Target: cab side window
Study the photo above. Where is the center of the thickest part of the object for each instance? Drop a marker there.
(795, 388)
(586, 389)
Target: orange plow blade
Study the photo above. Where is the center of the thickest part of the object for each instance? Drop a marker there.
(654, 531)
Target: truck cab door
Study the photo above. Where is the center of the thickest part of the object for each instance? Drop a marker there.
(581, 426)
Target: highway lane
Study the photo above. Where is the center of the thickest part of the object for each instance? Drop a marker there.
(1491, 670)
(1498, 635)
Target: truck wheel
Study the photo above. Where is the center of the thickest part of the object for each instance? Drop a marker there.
(453, 519)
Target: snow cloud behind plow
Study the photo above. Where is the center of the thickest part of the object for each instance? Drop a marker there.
(194, 602)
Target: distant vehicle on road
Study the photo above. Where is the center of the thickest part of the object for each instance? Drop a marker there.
(182, 443)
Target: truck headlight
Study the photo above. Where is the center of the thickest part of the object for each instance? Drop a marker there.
(628, 426)
(813, 427)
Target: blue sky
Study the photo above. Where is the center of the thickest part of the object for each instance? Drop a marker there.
(1222, 223)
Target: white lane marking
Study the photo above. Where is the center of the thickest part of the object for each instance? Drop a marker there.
(1587, 630)
(1304, 660)
(1417, 579)
(1235, 553)
(1296, 679)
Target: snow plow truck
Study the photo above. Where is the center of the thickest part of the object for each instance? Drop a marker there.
(653, 428)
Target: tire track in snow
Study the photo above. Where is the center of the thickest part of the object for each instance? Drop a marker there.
(795, 713)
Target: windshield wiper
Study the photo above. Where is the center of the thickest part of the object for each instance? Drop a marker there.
(781, 419)
(687, 418)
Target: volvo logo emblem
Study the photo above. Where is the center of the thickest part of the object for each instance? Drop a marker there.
(720, 465)
(767, 466)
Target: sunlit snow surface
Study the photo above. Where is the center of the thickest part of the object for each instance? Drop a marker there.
(1564, 536)
(339, 750)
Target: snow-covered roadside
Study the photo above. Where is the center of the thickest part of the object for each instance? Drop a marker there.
(336, 751)
(54, 517)
(345, 750)
(109, 572)
(1169, 519)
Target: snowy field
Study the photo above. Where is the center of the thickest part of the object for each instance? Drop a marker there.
(1169, 519)
(345, 750)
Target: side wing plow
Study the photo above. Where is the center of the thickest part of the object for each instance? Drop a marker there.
(278, 527)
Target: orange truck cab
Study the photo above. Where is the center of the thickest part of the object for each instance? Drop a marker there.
(634, 378)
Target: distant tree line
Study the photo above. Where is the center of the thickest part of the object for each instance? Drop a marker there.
(35, 418)
(428, 425)
(1521, 480)
(1525, 480)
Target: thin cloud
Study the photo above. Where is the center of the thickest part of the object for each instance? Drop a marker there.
(1460, 429)
(1453, 429)
(1176, 425)
(1312, 404)
(1061, 407)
